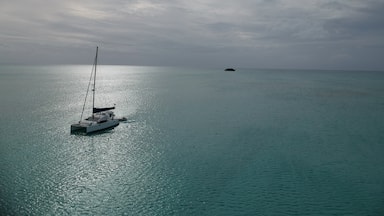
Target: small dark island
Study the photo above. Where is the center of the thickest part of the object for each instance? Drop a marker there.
(229, 69)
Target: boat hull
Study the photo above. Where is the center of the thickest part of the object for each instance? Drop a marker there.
(90, 127)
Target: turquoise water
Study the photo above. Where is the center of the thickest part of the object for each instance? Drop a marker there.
(198, 142)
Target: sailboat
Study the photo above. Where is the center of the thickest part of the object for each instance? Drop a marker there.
(101, 118)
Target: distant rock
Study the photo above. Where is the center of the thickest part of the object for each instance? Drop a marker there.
(229, 69)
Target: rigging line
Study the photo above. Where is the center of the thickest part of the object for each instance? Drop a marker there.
(86, 95)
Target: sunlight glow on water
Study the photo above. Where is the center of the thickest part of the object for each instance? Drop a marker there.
(198, 142)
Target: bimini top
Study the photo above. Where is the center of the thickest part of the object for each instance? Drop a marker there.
(96, 110)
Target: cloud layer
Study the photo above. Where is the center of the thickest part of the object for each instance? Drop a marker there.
(322, 34)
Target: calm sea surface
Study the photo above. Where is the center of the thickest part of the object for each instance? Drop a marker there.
(198, 142)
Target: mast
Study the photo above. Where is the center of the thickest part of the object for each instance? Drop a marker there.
(89, 85)
(94, 81)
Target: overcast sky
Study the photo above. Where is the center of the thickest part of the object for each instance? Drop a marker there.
(315, 34)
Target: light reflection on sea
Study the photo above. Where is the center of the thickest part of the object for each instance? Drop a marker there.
(198, 142)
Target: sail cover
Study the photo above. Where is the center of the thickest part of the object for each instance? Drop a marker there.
(96, 110)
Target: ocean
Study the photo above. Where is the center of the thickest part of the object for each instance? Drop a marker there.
(197, 141)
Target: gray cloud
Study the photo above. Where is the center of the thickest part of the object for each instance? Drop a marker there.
(246, 33)
(365, 21)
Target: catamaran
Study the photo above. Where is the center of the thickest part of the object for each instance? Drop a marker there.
(101, 118)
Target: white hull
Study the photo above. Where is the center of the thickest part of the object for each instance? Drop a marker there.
(92, 126)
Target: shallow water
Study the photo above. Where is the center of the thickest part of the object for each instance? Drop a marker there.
(198, 142)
